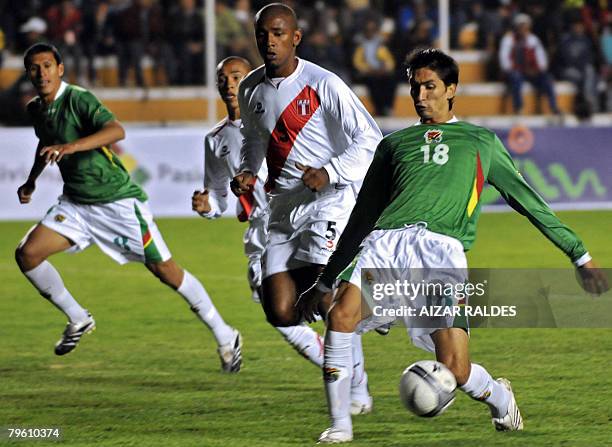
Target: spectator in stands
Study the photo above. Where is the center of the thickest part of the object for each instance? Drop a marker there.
(576, 59)
(32, 31)
(232, 38)
(97, 36)
(522, 57)
(187, 38)
(606, 49)
(375, 66)
(321, 49)
(13, 102)
(139, 30)
(65, 26)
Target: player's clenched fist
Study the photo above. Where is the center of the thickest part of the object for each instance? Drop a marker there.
(242, 183)
(25, 191)
(314, 179)
(199, 202)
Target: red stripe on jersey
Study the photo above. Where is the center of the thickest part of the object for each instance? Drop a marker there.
(247, 200)
(293, 119)
(479, 175)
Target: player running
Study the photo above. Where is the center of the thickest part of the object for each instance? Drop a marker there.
(100, 205)
(317, 140)
(221, 161)
(418, 209)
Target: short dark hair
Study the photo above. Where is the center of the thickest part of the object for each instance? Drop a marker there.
(445, 66)
(41, 47)
(436, 60)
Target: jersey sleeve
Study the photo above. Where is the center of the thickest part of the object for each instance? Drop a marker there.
(215, 181)
(363, 132)
(504, 176)
(373, 198)
(91, 110)
(253, 150)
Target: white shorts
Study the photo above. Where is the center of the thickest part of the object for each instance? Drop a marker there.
(406, 252)
(254, 240)
(305, 227)
(123, 229)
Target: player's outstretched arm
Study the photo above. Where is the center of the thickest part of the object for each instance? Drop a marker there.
(25, 191)
(592, 278)
(111, 132)
(504, 176)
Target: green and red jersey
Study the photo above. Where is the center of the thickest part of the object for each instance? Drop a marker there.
(93, 176)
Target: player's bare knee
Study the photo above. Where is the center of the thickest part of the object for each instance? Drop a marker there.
(282, 316)
(27, 257)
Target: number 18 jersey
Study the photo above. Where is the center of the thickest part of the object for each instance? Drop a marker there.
(436, 173)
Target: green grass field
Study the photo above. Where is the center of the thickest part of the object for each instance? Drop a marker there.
(149, 375)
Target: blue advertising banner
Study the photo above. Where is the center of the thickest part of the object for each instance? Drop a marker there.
(571, 168)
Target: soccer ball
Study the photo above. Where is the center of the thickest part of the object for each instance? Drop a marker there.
(427, 388)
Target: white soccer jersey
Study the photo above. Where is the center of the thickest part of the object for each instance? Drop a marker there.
(310, 117)
(221, 162)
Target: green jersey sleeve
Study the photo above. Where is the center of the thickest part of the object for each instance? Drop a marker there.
(504, 176)
(91, 109)
(373, 198)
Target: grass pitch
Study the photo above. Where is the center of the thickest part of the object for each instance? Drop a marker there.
(149, 375)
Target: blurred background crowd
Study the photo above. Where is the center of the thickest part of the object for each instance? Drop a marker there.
(363, 41)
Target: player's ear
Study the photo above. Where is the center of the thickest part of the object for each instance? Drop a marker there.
(60, 69)
(297, 37)
(451, 90)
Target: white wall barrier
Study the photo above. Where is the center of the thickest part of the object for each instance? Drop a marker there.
(168, 162)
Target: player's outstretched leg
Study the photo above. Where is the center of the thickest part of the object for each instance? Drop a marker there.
(228, 339)
(31, 256)
(475, 381)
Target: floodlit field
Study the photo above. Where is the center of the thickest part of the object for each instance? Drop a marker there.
(149, 375)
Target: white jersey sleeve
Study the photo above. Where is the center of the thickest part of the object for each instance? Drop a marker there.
(215, 180)
(358, 125)
(253, 150)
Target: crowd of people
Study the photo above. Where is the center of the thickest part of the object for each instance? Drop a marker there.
(363, 41)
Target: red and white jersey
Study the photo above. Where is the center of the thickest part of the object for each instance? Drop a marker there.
(221, 162)
(311, 117)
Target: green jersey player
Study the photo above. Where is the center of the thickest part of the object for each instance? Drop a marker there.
(418, 209)
(100, 205)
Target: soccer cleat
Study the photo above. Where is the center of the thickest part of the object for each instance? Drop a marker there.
(231, 354)
(335, 436)
(513, 420)
(358, 407)
(73, 333)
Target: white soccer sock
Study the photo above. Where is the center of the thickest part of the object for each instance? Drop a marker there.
(194, 293)
(49, 284)
(337, 371)
(481, 386)
(306, 341)
(359, 378)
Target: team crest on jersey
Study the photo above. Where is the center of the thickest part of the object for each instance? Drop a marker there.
(60, 218)
(433, 136)
(224, 151)
(303, 107)
(259, 108)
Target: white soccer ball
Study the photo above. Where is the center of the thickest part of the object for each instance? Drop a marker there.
(427, 388)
